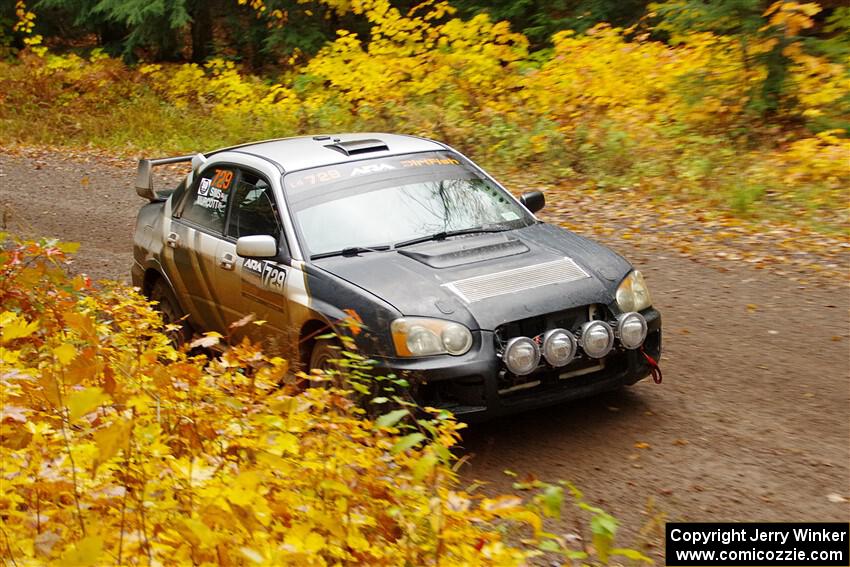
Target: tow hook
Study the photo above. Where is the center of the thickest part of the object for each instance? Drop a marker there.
(654, 369)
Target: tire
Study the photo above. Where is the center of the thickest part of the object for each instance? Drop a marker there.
(171, 312)
(324, 353)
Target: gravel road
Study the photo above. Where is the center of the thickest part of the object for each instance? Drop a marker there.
(751, 422)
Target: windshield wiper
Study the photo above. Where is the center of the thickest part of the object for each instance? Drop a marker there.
(445, 234)
(348, 252)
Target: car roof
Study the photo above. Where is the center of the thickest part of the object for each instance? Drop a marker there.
(304, 152)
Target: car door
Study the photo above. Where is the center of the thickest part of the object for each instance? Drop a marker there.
(260, 283)
(200, 261)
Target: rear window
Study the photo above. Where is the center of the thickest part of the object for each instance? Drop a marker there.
(207, 203)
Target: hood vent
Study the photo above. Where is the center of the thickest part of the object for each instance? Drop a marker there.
(516, 280)
(451, 253)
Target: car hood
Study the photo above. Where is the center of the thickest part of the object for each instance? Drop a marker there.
(485, 280)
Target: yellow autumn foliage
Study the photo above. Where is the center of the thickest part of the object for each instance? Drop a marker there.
(607, 108)
(115, 448)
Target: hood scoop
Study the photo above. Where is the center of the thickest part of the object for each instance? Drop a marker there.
(460, 251)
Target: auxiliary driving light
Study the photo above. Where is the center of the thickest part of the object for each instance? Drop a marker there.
(522, 355)
(559, 347)
(631, 329)
(597, 338)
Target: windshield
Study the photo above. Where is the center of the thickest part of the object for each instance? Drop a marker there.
(386, 201)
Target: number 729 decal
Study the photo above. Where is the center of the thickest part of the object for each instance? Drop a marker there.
(271, 277)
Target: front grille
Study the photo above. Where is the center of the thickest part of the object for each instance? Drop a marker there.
(570, 319)
(516, 280)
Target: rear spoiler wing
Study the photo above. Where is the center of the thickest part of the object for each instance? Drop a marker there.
(144, 173)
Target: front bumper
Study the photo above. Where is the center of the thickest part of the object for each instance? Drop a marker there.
(473, 386)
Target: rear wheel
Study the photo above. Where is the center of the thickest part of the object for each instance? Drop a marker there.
(171, 312)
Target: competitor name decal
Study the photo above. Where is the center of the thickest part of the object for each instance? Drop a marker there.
(210, 197)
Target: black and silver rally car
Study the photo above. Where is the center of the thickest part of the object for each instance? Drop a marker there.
(453, 283)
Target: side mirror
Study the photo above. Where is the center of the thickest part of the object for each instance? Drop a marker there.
(257, 246)
(533, 200)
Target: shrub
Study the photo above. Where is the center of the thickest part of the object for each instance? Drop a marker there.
(117, 448)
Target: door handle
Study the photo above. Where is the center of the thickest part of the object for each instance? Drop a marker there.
(227, 261)
(172, 240)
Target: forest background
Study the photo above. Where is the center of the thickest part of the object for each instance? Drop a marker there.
(738, 108)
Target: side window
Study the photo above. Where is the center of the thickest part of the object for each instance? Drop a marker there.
(207, 203)
(253, 210)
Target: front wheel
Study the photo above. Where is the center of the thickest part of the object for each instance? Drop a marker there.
(171, 313)
(325, 355)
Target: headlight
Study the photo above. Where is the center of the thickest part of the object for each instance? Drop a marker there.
(633, 295)
(418, 336)
(631, 329)
(597, 338)
(522, 355)
(559, 347)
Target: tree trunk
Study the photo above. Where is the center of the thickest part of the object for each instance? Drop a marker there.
(202, 30)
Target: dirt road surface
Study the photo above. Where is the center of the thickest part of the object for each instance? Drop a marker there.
(752, 421)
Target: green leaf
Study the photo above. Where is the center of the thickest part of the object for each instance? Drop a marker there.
(603, 524)
(424, 466)
(443, 453)
(550, 545)
(392, 418)
(407, 442)
(553, 498)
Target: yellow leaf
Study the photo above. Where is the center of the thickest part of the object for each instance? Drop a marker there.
(81, 323)
(65, 353)
(357, 542)
(110, 440)
(641, 445)
(284, 443)
(252, 554)
(200, 530)
(86, 552)
(83, 369)
(15, 327)
(313, 542)
(85, 401)
(68, 247)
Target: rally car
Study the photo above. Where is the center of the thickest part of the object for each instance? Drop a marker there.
(437, 272)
